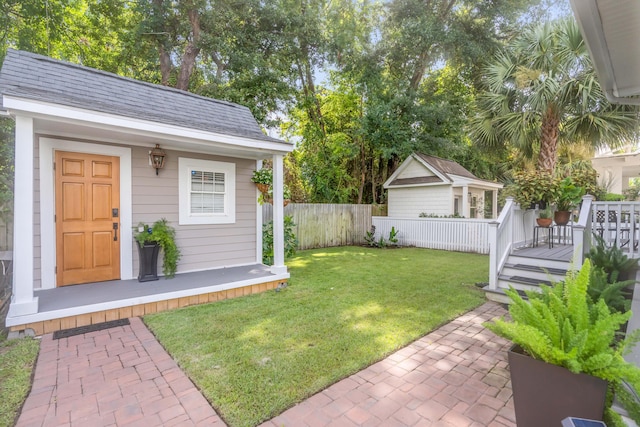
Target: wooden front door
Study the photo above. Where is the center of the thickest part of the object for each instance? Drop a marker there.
(87, 218)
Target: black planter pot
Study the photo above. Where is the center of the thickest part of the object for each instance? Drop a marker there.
(545, 394)
(148, 255)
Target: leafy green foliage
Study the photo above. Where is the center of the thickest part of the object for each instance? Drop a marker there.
(165, 236)
(545, 213)
(611, 259)
(612, 197)
(613, 294)
(7, 144)
(433, 215)
(290, 240)
(562, 327)
(541, 91)
(529, 187)
(380, 242)
(609, 266)
(566, 194)
(262, 176)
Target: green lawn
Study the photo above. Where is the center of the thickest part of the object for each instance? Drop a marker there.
(345, 308)
(16, 363)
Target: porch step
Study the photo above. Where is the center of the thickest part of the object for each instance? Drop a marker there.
(499, 296)
(539, 262)
(538, 269)
(520, 283)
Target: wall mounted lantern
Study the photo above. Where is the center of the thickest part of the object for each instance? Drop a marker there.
(157, 157)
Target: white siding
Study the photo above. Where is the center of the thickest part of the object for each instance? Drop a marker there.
(411, 201)
(414, 169)
(202, 246)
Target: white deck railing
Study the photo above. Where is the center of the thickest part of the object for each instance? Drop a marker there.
(618, 223)
(501, 236)
(451, 234)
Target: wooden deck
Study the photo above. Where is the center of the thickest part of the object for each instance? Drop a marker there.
(558, 252)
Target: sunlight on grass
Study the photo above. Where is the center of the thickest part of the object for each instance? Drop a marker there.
(345, 308)
(17, 358)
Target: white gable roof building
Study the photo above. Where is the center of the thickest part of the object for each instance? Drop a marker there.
(435, 186)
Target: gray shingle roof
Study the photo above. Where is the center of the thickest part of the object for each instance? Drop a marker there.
(446, 167)
(40, 78)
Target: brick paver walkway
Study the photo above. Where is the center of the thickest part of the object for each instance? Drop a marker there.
(116, 377)
(455, 376)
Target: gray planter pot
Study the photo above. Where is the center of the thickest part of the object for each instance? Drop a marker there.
(545, 394)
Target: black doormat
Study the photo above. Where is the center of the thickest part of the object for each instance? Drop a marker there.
(65, 333)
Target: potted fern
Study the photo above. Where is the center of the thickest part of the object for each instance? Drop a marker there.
(567, 354)
(150, 240)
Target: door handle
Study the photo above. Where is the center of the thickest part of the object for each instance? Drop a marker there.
(115, 231)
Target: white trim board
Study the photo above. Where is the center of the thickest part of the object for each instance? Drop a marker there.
(47, 146)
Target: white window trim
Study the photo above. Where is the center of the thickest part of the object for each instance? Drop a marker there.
(185, 166)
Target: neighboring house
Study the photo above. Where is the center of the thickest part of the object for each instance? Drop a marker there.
(84, 180)
(439, 187)
(616, 169)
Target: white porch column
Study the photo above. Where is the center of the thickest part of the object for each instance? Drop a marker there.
(23, 302)
(259, 221)
(278, 266)
(465, 202)
(494, 204)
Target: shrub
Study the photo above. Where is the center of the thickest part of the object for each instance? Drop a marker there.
(370, 238)
(290, 240)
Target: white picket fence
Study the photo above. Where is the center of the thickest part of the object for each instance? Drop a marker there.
(450, 234)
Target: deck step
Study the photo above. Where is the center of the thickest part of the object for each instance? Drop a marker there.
(525, 280)
(539, 262)
(499, 296)
(538, 269)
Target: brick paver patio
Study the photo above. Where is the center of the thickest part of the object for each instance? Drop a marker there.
(115, 377)
(455, 376)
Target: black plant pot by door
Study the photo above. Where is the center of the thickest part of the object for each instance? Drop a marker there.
(148, 255)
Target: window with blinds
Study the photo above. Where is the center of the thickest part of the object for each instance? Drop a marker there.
(206, 191)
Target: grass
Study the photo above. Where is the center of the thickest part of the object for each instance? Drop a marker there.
(17, 358)
(345, 308)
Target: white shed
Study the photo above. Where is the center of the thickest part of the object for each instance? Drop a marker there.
(439, 187)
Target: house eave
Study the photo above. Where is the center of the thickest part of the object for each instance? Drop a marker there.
(192, 139)
(430, 184)
(610, 29)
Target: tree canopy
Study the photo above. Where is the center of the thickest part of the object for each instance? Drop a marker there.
(357, 84)
(542, 92)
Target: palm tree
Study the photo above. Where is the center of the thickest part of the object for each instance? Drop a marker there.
(542, 91)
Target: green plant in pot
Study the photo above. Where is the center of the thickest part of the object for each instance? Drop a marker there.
(560, 334)
(152, 238)
(263, 179)
(544, 217)
(566, 196)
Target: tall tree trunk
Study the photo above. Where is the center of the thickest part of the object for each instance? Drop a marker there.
(191, 51)
(549, 141)
(160, 35)
(165, 64)
(425, 55)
